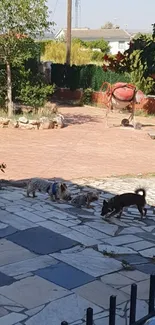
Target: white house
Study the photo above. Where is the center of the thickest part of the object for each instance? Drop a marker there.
(118, 39)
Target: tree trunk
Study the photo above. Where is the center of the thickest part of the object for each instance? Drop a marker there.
(9, 90)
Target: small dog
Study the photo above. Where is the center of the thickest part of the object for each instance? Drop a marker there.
(84, 199)
(56, 190)
(116, 204)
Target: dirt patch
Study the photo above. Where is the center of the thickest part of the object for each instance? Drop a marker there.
(86, 148)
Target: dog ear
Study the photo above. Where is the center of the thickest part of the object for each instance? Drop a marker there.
(63, 187)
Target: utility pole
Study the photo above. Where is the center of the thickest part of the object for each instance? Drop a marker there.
(69, 29)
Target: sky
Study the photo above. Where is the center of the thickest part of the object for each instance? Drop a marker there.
(131, 14)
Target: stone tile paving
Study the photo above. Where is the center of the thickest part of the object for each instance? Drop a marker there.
(56, 260)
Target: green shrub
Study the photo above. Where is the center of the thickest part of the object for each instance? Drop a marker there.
(33, 90)
(97, 56)
(87, 96)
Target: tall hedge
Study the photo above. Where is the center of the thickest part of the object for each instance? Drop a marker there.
(84, 76)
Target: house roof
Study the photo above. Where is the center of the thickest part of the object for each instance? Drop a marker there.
(94, 34)
(133, 32)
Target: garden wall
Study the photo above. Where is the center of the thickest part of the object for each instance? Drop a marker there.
(148, 105)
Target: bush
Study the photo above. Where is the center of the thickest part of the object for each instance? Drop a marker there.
(35, 95)
(33, 90)
(87, 96)
(55, 51)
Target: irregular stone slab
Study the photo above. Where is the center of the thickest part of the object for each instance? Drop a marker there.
(68, 223)
(89, 261)
(99, 293)
(148, 228)
(33, 292)
(148, 252)
(11, 253)
(81, 238)
(32, 264)
(130, 230)
(65, 276)
(15, 221)
(41, 241)
(117, 250)
(122, 239)
(105, 321)
(135, 275)
(104, 227)
(12, 318)
(5, 301)
(140, 245)
(3, 225)
(57, 215)
(42, 208)
(144, 235)
(93, 233)
(34, 311)
(148, 268)
(141, 309)
(15, 309)
(3, 312)
(132, 259)
(29, 216)
(116, 280)
(7, 231)
(142, 289)
(5, 279)
(11, 196)
(54, 226)
(22, 276)
(75, 309)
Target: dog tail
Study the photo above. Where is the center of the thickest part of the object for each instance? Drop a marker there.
(141, 190)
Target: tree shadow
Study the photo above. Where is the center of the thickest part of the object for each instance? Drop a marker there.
(73, 119)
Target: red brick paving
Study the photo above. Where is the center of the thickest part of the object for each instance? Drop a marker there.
(86, 148)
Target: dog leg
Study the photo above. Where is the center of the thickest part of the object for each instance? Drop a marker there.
(141, 211)
(120, 214)
(112, 214)
(34, 194)
(145, 211)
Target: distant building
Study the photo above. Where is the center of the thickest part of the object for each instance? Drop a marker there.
(118, 39)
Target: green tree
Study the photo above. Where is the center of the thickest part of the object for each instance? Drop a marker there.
(20, 21)
(108, 25)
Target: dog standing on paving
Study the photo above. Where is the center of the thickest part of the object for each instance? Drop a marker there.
(56, 190)
(116, 204)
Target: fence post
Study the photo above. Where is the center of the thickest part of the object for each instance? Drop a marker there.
(133, 298)
(89, 316)
(112, 310)
(152, 293)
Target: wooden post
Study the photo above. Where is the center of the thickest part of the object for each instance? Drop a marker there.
(69, 29)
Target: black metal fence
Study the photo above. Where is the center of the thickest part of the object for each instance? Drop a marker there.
(133, 300)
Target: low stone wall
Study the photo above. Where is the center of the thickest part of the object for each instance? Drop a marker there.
(42, 123)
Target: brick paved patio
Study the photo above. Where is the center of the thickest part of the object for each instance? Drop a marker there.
(83, 149)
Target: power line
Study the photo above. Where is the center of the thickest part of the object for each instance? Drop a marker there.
(55, 7)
